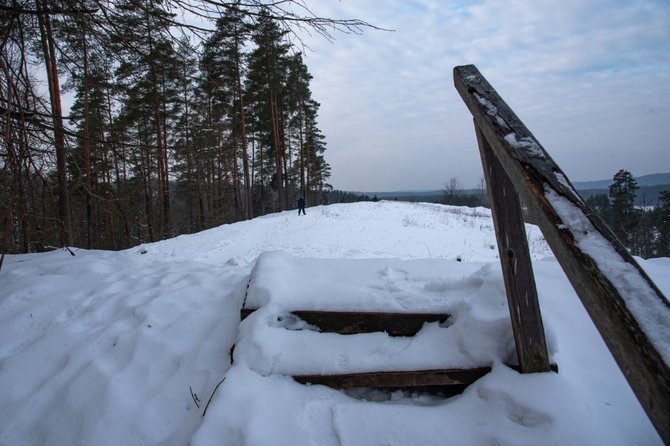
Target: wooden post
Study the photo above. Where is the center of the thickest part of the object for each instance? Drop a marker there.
(627, 308)
(524, 309)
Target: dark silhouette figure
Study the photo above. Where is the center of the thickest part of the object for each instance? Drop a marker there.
(301, 205)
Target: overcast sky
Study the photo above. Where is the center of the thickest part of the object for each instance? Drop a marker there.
(589, 78)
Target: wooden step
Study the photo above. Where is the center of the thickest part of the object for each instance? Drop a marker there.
(445, 380)
(450, 381)
(352, 322)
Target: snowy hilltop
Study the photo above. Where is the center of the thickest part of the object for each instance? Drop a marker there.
(131, 347)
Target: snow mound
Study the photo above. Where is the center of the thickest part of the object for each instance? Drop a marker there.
(503, 408)
(112, 348)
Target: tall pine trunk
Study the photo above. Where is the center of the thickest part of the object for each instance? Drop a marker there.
(87, 147)
(49, 51)
(236, 182)
(248, 211)
(277, 147)
(163, 179)
(302, 150)
(283, 151)
(14, 164)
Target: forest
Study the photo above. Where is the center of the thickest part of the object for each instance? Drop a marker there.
(131, 121)
(184, 115)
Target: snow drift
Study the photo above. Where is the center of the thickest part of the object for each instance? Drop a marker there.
(128, 347)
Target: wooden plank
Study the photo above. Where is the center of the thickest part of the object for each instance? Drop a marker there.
(539, 180)
(352, 322)
(399, 379)
(531, 346)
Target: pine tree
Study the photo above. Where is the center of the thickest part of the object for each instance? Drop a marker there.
(299, 99)
(184, 139)
(622, 194)
(308, 170)
(234, 38)
(149, 76)
(48, 45)
(89, 77)
(318, 170)
(222, 87)
(662, 222)
(265, 82)
(600, 203)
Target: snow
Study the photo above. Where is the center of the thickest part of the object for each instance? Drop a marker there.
(106, 348)
(491, 110)
(478, 331)
(527, 144)
(642, 301)
(501, 408)
(370, 285)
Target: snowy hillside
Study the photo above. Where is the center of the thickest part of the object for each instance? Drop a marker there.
(111, 348)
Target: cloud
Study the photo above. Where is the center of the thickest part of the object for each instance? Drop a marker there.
(589, 78)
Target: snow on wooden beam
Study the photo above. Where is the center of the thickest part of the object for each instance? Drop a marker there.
(630, 312)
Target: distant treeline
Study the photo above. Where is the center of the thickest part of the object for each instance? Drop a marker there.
(340, 196)
(470, 198)
(644, 196)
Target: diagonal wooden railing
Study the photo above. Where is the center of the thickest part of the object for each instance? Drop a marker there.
(627, 308)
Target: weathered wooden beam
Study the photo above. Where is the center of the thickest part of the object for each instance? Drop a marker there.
(531, 346)
(402, 379)
(629, 311)
(351, 322)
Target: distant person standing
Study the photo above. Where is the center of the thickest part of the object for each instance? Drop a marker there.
(301, 205)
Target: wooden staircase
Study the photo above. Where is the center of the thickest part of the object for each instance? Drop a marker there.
(441, 381)
(448, 381)
(321, 318)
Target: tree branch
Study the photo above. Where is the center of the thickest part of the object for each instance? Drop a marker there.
(17, 10)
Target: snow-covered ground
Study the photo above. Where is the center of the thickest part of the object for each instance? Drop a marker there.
(112, 348)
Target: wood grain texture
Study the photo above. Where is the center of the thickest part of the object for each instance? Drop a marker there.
(534, 175)
(531, 345)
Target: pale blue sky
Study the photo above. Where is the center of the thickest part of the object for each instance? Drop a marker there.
(591, 80)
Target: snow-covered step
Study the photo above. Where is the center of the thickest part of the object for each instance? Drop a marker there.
(361, 285)
(442, 380)
(349, 296)
(351, 322)
(271, 341)
(436, 359)
(290, 300)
